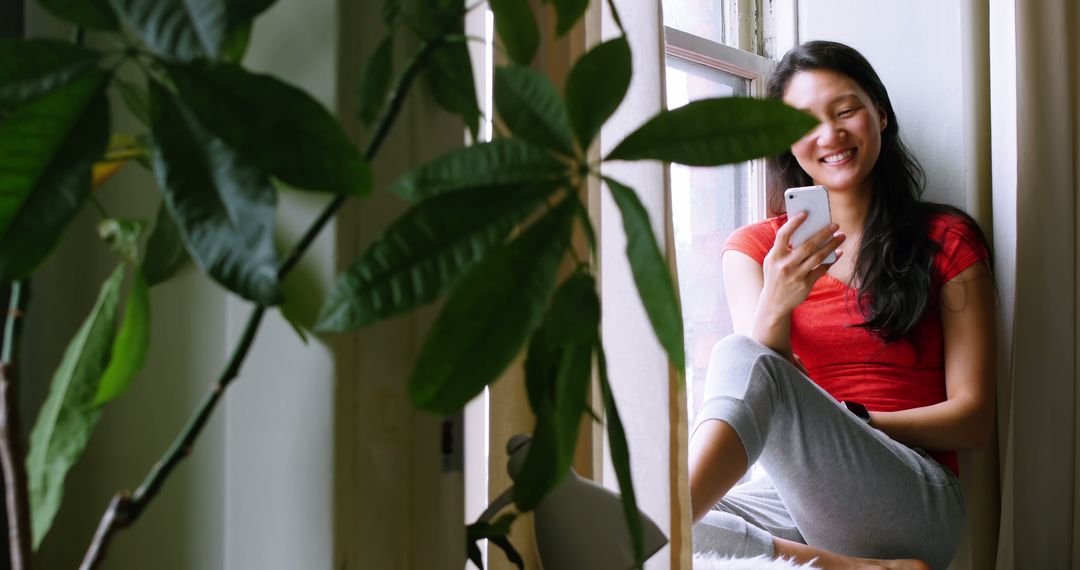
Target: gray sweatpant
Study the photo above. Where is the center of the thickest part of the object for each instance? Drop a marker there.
(836, 483)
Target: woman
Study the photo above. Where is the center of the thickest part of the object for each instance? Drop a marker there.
(853, 383)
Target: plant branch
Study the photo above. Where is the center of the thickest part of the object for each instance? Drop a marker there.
(382, 130)
(615, 16)
(125, 508)
(12, 457)
(99, 207)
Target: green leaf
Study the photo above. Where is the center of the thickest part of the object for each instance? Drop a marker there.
(620, 460)
(516, 26)
(236, 42)
(712, 132)
(555, 437)
(374, 84)
(390, 11)
(430, 19)
(294, 321)
(422, 254)
(223, 206)
(568, 13)
(165, 253)
(449, 77)
(575, 312)
(31, 68)
(531, 107)
(68, 416)
(596, 86)
(499, 162)
(135, 97)
(489, 315)
(47, 148)
(238, 16)
(557, 379)
(542, 471)
(96, 14)
(241, 12)
(131, 345)
(570, 320)
(651, 274)
(274, 125)
(177, 30)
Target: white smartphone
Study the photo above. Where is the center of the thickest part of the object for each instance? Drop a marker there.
(814, 200)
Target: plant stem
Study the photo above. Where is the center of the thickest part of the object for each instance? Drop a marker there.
(125, 507)
(615, 16)
(99, 207)
(12, 458)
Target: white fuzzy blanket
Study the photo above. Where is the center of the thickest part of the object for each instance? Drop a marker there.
(709, 562)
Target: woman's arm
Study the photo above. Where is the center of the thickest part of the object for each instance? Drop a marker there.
(965, 419)
(762, 296)
(743, 280)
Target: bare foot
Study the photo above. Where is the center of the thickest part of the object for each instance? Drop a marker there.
(903, 564)
(863, 564)
(831, 561)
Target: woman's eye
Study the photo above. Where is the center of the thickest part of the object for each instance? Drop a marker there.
(845, 112)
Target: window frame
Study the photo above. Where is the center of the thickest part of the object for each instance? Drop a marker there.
(749, 66)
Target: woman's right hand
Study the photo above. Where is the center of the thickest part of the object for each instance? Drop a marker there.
(790, 273)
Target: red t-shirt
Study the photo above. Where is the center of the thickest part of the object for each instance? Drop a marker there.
(849, 362)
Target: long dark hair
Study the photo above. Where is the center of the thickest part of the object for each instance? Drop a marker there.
(894, 264)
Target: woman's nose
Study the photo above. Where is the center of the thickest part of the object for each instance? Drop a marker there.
(830, 133)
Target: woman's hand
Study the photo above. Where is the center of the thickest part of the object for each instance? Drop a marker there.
(790, 273)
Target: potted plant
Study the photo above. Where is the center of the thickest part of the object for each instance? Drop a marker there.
(488, 227)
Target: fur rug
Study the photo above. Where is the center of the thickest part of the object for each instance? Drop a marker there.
(709, 562)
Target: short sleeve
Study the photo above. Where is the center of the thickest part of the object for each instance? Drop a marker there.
(755, 239)
(962, 245)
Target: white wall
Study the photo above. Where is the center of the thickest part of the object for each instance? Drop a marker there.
(916, 47)
(279, 414)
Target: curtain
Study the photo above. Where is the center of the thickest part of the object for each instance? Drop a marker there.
(1034, 102)
(651, 400)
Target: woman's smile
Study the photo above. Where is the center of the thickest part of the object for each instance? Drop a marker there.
(840, 157)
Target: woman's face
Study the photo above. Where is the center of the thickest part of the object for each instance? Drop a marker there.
(841, 152)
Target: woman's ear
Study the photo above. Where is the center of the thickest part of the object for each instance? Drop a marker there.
(883, 120)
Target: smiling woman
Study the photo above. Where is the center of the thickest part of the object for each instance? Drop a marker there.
(884, 368)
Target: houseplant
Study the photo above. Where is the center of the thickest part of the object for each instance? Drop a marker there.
(489, 226)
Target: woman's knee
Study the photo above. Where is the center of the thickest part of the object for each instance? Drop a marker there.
(732, 365)
(736, 348)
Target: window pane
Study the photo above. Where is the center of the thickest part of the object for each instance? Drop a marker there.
(707, 205)
(710, 19)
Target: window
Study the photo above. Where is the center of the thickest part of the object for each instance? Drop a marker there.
(734, 23)
(709, 203)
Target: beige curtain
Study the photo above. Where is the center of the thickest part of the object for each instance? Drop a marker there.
(650, 398)
(1035, 77)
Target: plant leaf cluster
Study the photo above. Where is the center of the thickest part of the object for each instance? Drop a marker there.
(490, 228)
(218, 135)
(492, 224)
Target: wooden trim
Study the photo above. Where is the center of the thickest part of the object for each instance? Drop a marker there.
(678, 473)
